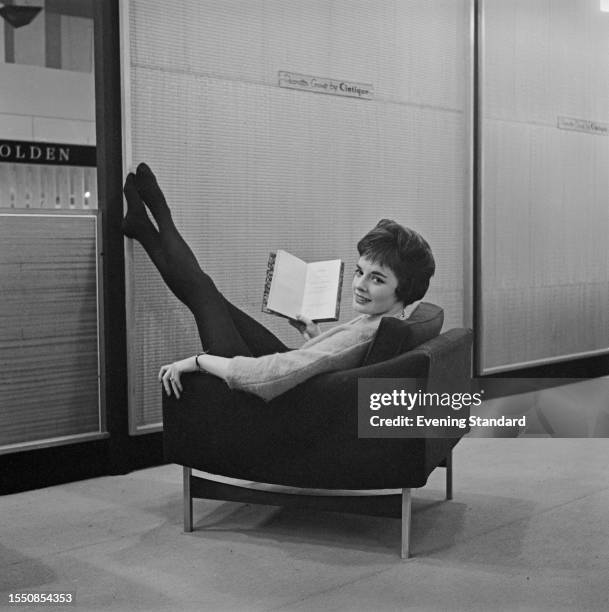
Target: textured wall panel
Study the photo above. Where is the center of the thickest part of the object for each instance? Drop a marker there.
(545, 218)
(48, 328)
(249, 167)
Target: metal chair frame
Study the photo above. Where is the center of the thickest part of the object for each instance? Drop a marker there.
(392, 504)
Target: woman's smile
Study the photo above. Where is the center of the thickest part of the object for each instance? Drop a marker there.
(360, 299)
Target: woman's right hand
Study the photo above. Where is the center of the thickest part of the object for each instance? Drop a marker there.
(170, 373)
(308, 328)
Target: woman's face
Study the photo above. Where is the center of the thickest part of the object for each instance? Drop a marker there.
(374, 289)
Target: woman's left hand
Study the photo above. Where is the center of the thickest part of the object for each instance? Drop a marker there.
(308, 328)
(170, 374)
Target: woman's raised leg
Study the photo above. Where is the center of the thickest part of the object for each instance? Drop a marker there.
(224, 329)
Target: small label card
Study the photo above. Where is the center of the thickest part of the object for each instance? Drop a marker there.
(583, 125)
(335, 87)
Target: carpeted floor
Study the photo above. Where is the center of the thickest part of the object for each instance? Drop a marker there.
(528, 529)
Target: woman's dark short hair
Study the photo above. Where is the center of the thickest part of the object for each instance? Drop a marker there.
(405, 252)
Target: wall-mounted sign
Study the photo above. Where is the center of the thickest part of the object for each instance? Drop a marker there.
(336, 87)
(48, 153)
(583, 125)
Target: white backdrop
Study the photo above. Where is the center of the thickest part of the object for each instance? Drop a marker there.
(250, 167)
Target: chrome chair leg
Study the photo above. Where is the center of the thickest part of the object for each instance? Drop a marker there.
(406, 507)
(449, 475)
(187, 500)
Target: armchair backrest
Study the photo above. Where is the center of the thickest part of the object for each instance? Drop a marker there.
(449, 359)
(395, 337)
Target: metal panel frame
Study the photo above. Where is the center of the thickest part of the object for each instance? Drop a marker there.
(125, 52)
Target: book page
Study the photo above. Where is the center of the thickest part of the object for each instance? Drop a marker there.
(287, 285)
(321, 289)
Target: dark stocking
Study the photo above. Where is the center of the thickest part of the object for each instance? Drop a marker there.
(224, 330)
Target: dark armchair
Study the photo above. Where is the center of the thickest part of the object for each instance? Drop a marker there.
(308, 437)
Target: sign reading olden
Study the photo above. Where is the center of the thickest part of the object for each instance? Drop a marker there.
(47, 153)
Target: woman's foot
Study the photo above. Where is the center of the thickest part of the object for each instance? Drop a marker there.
(151, 193)
(136, 220)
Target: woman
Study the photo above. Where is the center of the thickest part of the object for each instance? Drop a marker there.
(392, 273)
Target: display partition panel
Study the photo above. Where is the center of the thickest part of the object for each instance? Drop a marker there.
(49, 341)
(544, 154)
(250, 165)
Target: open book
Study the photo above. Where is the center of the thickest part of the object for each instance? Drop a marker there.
(295, 287)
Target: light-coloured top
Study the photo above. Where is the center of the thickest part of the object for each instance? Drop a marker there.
(339, 348)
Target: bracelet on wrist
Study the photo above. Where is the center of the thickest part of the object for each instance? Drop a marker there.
(199, 368)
